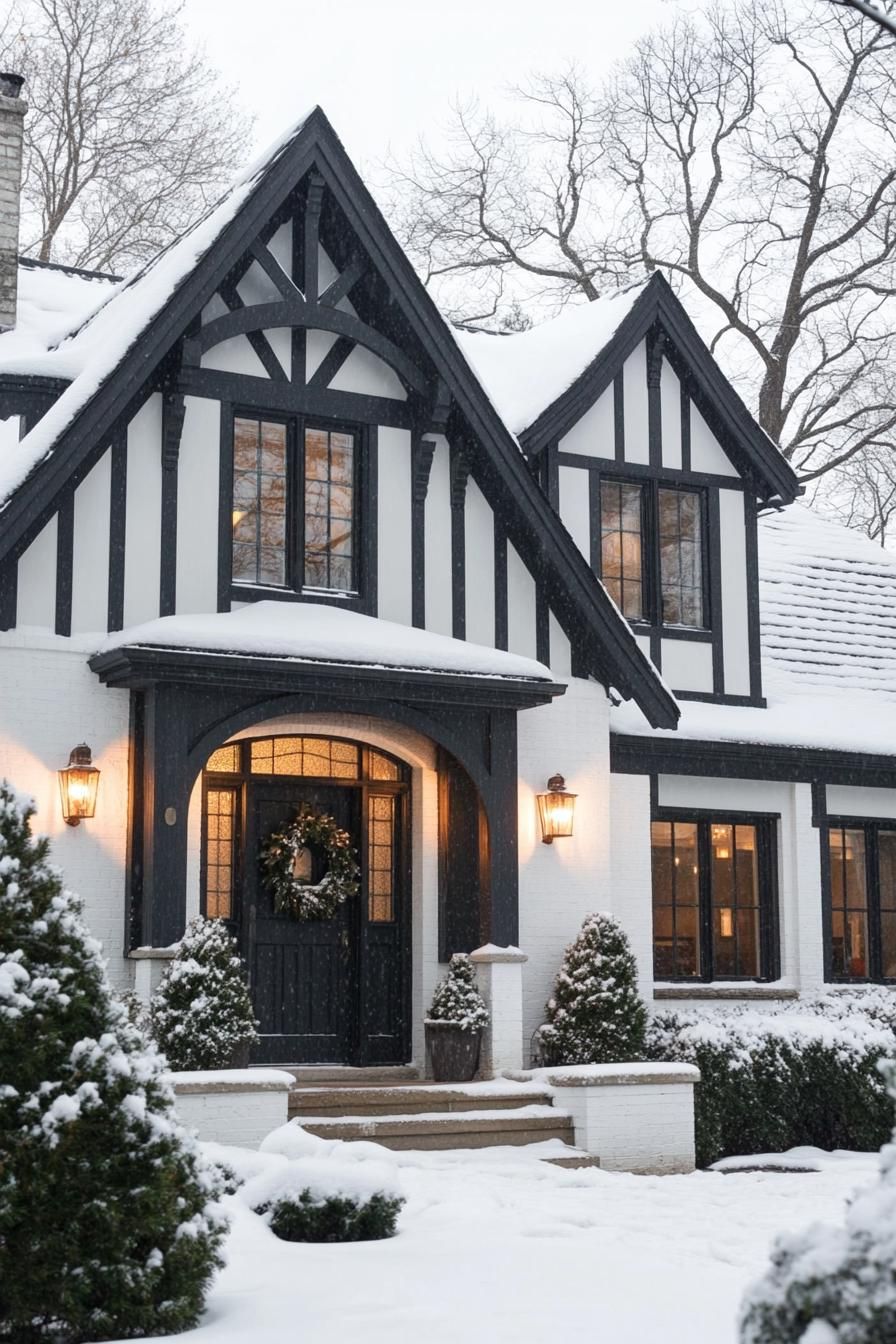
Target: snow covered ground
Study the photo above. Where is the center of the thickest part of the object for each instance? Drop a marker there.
(495, 1247)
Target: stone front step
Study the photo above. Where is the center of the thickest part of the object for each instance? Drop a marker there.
(344, 1075)
(432, 1131)
(424, 1099)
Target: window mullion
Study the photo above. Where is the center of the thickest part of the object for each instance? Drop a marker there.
(704, 851)
(872, 886)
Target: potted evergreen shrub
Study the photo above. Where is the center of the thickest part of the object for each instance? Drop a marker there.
(595, 1015)
(109, 1225)
(201, 1013)
(454, 1026)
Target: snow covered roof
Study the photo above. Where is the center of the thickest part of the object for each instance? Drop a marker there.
(52, 302)
(828, 624)
(525, 372)
(319, 633)
(90, 349)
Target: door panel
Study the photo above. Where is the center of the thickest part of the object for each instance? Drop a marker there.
(303, 973)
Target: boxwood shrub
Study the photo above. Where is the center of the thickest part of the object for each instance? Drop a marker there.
(305, 1216)
(804, 1074)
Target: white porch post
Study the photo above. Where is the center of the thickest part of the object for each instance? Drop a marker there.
(499, 971)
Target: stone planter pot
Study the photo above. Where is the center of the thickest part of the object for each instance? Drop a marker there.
(453, 1052)
(239, 1056)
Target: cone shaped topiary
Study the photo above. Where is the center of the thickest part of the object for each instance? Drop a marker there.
(595, 1015)
(456, 998)
(107, 1225)
(833, 1284)
(201, 1013)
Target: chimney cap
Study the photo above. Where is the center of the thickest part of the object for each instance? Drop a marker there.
(11, 84)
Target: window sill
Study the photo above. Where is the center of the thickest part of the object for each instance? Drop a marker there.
(256, 593)
(745, 989)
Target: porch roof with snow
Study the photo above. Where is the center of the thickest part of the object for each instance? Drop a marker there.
(285, 643)
(828, 631)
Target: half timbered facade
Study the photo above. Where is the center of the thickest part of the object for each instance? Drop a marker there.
(272, 535)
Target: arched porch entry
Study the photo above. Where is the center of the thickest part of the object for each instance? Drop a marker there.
(186, 703)
(325, 991)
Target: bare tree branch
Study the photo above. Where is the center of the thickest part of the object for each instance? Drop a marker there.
(129, 134)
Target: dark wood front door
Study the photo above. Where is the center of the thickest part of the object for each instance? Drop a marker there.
(329, 991)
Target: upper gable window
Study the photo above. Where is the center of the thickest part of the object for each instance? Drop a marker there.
(295, 506)
(652, 541)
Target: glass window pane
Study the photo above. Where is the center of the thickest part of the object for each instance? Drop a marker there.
(622, 545)
(329, 510)
(224, 759)
(681, 557)
(676, 887)
(381, 859)
(220, 814)
(259, 502)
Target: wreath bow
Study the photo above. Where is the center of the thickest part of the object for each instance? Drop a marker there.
(304, 900)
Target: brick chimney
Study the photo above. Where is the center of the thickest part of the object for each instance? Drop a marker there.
(12, 118)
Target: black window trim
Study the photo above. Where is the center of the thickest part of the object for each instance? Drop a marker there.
(651, 561)
(363, 595)
(871, 826)
(767, 831)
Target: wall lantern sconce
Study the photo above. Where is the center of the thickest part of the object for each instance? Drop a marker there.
(78, 785)
(556, 809)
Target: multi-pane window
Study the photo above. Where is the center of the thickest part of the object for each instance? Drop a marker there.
(652, 552)
(220, 852)
(863, 901)
(317, 757)
(329, 510)
(621, 549)
(381, 858)
(294, 510)
(713, 899)
(681, 557)
(259, 502)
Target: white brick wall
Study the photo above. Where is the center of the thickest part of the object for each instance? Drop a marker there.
(240, 1117)
(561, 883)
(639, 1127)
(49, 702)
(630, 867)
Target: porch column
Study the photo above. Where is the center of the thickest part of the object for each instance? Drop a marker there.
(502, 806)
(165, 784)
(500, 975)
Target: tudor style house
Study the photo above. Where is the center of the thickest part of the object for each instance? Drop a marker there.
(274, 537)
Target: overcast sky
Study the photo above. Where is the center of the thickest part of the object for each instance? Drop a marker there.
(386, 70)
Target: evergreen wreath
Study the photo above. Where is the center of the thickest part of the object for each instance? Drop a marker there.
(304, 900)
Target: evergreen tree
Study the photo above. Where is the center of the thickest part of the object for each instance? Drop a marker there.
(456, 998)
(833, 1284)
(595, 1015)
(201, 1013)
(107, 1228)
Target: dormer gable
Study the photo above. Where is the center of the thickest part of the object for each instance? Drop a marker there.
(658, 472)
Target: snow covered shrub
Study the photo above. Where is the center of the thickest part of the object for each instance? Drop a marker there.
(595, 1015)
(833, 1285)
(456, 998)
(782, 1078)
(201, 1013)
(324, 1199)
(107, 1223)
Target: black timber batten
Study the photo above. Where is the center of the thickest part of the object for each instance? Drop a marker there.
(580, 604)
(631, 754)
(655, 311)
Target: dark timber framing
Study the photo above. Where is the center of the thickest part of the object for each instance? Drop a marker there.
(472, 717)
(418, 344)
(118, 504)
(422, 451)
(459, 474)
(65, 545)
(633, 755)
(173, 411)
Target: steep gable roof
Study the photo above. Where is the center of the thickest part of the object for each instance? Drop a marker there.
(126, 340)
(543, 380)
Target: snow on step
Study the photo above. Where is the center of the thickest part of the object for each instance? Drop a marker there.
(487, 1128)
(533, 1112)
